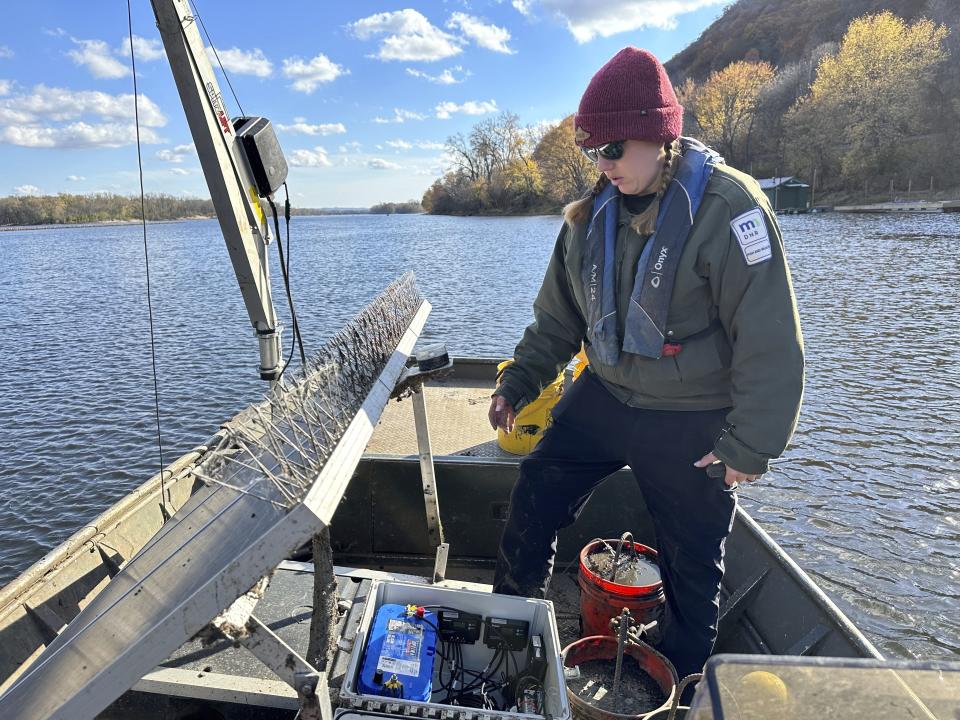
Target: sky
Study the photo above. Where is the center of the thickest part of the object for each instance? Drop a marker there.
(362, 94)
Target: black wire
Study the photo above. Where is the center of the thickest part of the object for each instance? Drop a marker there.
(293, 334)
(286, 285)
(286, 217)
(486, 675)
(217, 56)
(286, 220)
(146, 255)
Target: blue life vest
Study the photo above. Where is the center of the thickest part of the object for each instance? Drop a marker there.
(657, 267)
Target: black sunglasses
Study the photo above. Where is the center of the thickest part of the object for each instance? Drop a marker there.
(609, 151)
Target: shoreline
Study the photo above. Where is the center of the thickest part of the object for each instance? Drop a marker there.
(101, 223)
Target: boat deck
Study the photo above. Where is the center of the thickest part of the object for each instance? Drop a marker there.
(225, 673)
(456, 417)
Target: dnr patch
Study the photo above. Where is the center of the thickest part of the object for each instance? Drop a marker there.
(751, 231)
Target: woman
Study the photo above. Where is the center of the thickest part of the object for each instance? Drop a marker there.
(672, 274)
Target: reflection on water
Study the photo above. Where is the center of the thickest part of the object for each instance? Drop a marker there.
(867, 499)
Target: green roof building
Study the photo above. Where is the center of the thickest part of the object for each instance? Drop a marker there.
(786, 193)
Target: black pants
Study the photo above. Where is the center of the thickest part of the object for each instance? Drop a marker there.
(593, 435)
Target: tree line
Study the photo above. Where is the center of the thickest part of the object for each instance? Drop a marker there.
(97, 207)
(397, 208)
(67, 209)
(879, 106)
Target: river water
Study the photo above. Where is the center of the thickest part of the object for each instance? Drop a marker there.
(867, 498)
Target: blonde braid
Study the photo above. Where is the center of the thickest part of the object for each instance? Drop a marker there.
(646, 222)
(579, 210)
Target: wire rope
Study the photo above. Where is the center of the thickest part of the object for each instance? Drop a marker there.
(217, 56)
(146, 258)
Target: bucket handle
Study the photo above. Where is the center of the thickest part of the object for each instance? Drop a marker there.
(675, 705)
(626, 538)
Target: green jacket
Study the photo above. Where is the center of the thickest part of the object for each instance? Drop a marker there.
(745, 350)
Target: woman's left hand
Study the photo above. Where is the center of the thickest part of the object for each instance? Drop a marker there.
(732, 478)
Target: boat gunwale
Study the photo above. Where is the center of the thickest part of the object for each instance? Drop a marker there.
(129, 505)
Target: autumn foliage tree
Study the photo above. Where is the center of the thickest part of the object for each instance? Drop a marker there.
(870, 104)
(725, 108)
(491, 171)
(567, 173)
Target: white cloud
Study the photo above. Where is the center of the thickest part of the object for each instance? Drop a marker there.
(399, 116)
(46, 104)
(95, 119)
(26, 190)
(302, 127)
(14, 117)
(5, 86)
(306, 75)
(447, 77)
(420, 144)
(242, 62)
(310, 158)
(75, 178)
(5, 52)
(486, 36)
(409, 36)
(350, 147)
(471, 107)
(585, 21)
(177, 154)
(146, 49)
(76, 135)
(179, 171)
(522, 6)
(97, 57)
(380, 164)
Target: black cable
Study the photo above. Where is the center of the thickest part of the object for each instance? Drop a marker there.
(286, 219)
(146, 256)
(488, 674)
(286, 285)
(454, 694)
(293, 334)
(217, 56)
(293, 348)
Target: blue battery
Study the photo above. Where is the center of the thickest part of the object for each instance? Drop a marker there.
(398, 661)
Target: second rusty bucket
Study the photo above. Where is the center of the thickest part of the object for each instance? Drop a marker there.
(649, 662)
(602, 598)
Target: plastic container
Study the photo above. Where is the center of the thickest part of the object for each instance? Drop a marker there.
(538, 613)
(533, 420)
(580, 363)
(601, 600)
(602, 647)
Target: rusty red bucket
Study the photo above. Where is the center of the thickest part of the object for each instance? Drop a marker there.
(604, 647)
(601, 599)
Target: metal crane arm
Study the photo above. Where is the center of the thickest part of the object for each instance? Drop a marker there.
(231, 184)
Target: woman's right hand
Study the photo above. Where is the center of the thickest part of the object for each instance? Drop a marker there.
(501, 414)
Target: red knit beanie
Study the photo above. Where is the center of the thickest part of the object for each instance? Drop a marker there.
(630, 98)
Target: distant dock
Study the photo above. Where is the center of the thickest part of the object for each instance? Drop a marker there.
(917, 206)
